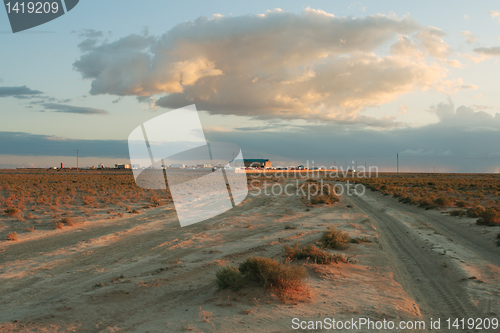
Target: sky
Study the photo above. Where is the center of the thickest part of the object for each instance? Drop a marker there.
(344, 83)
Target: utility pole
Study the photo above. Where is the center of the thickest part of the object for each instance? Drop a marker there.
(397, 161)
(77, 158)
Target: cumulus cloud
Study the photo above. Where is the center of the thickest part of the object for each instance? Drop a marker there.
(465, 118)
(275, 65)
(55, 107)
(18, 92)
(488, 51)
(494, 13)
(469, 37)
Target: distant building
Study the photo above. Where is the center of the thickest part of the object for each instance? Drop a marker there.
(122, 166)
(257, 163)
(177, 165)
(203, 166)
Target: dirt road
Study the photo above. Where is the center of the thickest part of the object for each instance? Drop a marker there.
(440, 260)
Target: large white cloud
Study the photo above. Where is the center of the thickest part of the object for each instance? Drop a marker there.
(277, 64)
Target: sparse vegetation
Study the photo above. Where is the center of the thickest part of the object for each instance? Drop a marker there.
(48, 195)
(265, 272)
(12, 236)
(490, 217)
(229, 277)
(313, 253)
(68, 221)
(359, 240)
(11, 211)
(470, 194)
(333, 238)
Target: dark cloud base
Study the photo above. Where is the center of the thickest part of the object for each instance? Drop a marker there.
(24, 144)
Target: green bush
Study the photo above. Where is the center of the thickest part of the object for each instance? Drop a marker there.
(229, 277)
(313, 253)
(334, 239)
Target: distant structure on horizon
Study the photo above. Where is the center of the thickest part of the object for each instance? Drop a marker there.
(122, 166)
(257, 163)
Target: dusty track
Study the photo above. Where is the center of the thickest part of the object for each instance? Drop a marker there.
(437, 278)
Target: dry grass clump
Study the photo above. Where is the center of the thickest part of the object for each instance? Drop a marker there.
(334, 239)
(360, 240)
(490, 217)
(12, 211)
(58, 225)
(475, 211)
(68, 221)
(12, 236)
(311, 252)
(265, 272)
(229, 277)
(326, 195)
(462, 204)
(443, 201)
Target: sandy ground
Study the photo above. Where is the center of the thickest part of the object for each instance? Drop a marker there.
(144, 273)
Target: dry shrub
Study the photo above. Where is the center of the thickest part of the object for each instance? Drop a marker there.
(325, 195)
(155, 200)
(30, 229)
(12, 211)
(229, 277)
(266, 272)
(458, 212)
(271, 274)
(12, 236)
(68, 220)
(58, 225)
(311, 252)
(334, 239)
(475, 211)
(489, 217)
(443, 201)
(360, 240)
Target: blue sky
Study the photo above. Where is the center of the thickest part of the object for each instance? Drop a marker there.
(420, 79)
